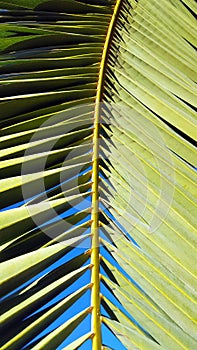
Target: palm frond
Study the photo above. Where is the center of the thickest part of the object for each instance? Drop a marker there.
(97, 169)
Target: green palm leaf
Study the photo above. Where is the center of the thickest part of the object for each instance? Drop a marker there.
(98, 153)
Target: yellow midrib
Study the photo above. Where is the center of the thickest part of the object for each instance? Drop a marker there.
(95, 251)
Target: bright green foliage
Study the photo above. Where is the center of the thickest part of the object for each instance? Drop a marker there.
(50, 75)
